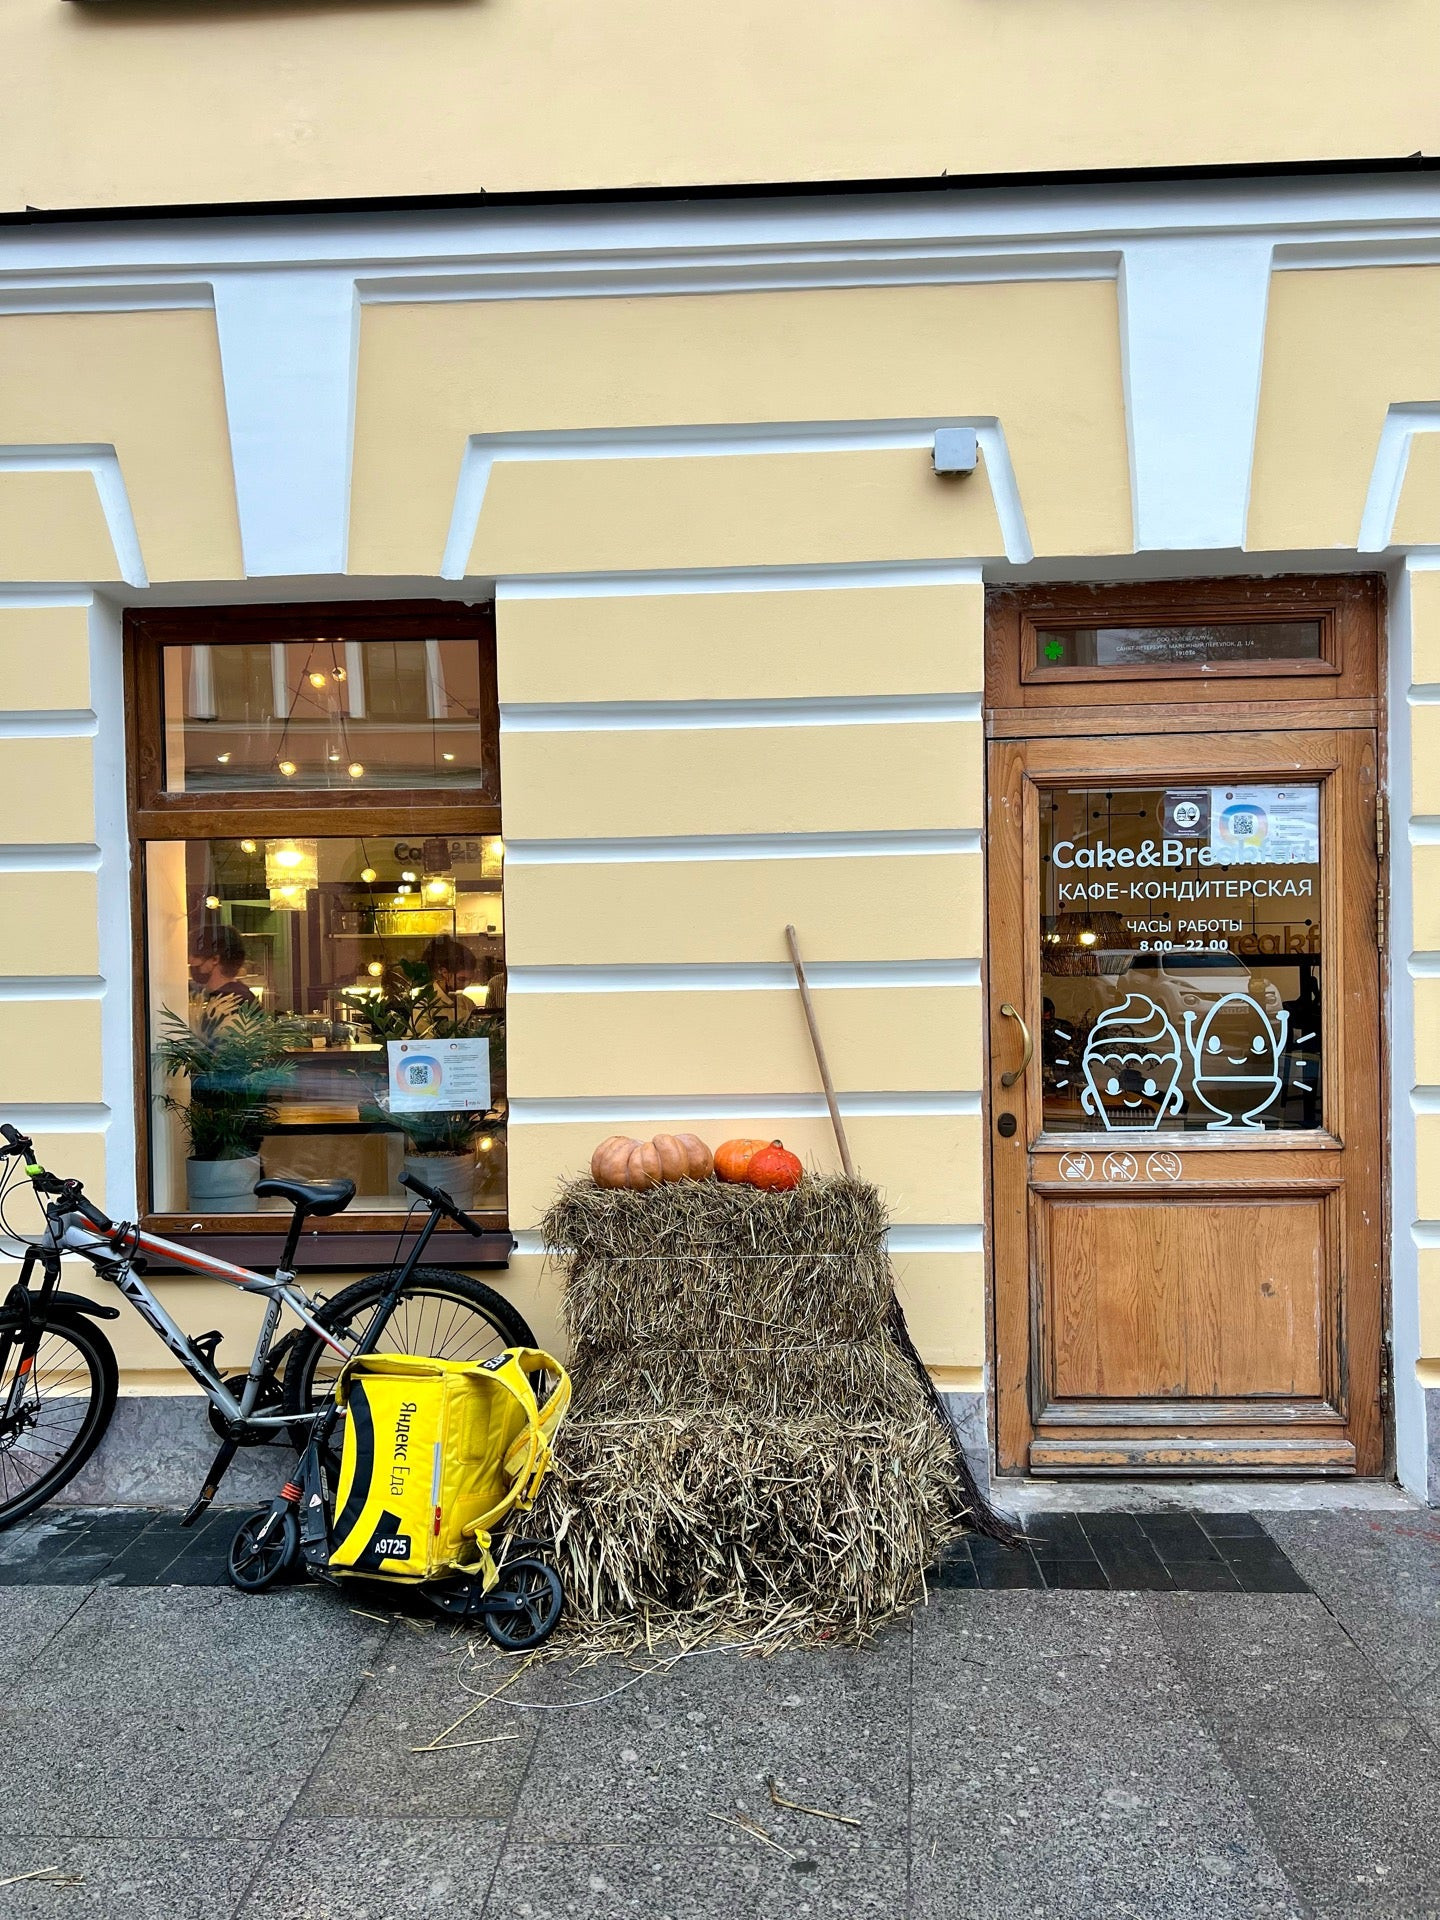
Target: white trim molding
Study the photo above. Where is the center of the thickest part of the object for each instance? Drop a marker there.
(484, 450)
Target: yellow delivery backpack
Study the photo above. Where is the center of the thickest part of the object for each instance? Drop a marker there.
(436, 1454)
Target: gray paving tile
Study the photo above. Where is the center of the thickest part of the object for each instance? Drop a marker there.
(418, 1689)
(375, 1870)
(1341, 1779)
(696, 1876)
(140, 1879)
(1380, 1574)
(30, 1617)
(701, 1739)
(169, 1711)
(1059, 1771)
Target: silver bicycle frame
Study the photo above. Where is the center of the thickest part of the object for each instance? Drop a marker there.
(116, 1263)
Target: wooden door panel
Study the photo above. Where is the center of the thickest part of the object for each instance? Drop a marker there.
(1181, 1293)
(1160, 1297)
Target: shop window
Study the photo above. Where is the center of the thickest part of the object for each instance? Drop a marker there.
(319, 881)
(1163, 1015)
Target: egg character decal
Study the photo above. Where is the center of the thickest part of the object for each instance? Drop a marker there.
(1235, 1051)
(1131, 1066)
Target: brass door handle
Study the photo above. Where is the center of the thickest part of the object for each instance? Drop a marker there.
(1013, 1013)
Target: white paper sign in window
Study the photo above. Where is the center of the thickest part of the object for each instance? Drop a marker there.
(439, 1076)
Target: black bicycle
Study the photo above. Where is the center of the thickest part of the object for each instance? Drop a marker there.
(58, 1376)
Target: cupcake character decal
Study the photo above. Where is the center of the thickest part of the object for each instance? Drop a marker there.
(1131, 1066)
(1236, 1054)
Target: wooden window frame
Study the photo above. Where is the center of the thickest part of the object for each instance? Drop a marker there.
(344, 1240)
(1339, 689)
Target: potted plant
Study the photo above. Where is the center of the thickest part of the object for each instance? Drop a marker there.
(439, 1147)
(235, 1062)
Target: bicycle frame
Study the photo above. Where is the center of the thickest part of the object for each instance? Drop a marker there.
(114, 1257)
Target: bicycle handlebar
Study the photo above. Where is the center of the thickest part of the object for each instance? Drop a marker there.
(443, 1201)
(69, 1193)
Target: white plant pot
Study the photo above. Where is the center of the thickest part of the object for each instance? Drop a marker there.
(222, 1186)
(452, 1174)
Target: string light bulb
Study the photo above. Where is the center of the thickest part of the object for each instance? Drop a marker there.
(355, 769)
(247, 846)
(317, 679)
(212, 900)
(287, 767)
(368, 875)
(375, 968)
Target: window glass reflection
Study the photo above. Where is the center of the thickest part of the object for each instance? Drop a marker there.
(306, 998)
(322, 712)
(1181, 947)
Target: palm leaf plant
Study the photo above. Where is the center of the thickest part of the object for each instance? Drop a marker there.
(235, 1061)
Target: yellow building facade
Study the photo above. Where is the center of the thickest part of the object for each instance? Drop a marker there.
(680, 455)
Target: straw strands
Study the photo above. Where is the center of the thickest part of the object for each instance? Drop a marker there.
(752, 1434)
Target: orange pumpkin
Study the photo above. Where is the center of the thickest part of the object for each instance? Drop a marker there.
(610, 1159)
(732, 1161)
(774, 1169)
(683, 1156)
(702, 1161)
(622, 1162)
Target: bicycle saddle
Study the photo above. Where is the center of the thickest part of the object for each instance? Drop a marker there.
(331, 1197)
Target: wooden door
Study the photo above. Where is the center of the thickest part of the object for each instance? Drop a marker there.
(1186, 1171)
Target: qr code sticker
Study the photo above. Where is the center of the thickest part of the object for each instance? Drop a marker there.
(417, 1074)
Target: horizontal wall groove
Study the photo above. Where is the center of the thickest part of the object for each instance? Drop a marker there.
(817, 576)
(38, 858)
(740, 976)
(1425, 966)
(57, 1116)
(742, 272)
(806, 710)
(553, 1111)
(51, 986)
(26, 597)
(75, 723)
(740, 846)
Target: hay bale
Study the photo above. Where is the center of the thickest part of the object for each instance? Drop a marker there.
(752, 1433)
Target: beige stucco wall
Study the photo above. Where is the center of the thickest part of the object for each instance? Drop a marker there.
(187, 105)
(886, 663)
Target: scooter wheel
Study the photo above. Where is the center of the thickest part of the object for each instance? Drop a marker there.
(256, 1563)
(533, 1600)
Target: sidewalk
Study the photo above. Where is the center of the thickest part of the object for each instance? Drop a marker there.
(179, 1749)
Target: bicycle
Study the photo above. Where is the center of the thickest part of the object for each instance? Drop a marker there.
(58, 1374)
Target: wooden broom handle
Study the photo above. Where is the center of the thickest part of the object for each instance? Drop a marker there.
(829, 1085)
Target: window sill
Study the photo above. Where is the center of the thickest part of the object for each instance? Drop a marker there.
(327, 1251)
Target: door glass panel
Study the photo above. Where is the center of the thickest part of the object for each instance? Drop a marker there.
(1229, 644)
(1180, 954)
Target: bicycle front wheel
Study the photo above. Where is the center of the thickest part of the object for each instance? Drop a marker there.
(440, 1316)
(52, 1425)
